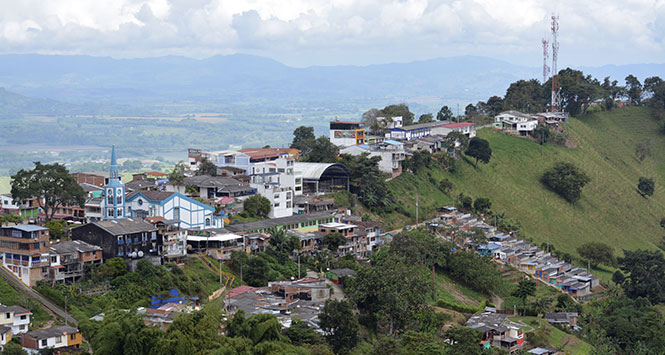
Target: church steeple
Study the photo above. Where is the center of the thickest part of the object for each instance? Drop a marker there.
(113, 171)
(114, 192)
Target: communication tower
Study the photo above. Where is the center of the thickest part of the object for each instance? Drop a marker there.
(556, 88)
(546, 57)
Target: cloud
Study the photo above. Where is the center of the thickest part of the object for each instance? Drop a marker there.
(309, 32)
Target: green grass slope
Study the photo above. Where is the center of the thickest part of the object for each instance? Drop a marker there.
(610, 209)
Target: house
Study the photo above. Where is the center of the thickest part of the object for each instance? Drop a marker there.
(54, 338)
(278, 182)
(312, 203)
(216, 243)
(310, 242)
(230, 171)
(392, 155)
(523, 123)
(418, 130)
(566, 318)
(322, 177)
(97, 178)
(543, 351)
(128, 238)
(355, 244)
(26, 209)
(5, 335)
(173, 246)
(346, 133)
(497, 331)
(431, 144)
(213, 187)
(466, 128)
(26, 252)
(190, 213)
(70, 258)
(16, 318)
(336, 275)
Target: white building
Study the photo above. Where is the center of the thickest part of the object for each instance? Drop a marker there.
(418, 130)
(190, 213)
(16, 318)
(346, 133)
(217, 244)
(276, 181)
(466, 128)
(523, 123)
(392, 122)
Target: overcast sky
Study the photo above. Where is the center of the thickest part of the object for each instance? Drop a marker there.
(327, 32)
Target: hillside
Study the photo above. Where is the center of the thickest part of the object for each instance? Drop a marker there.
(610, 209)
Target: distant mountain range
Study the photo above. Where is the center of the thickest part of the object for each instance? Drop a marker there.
(180, 84)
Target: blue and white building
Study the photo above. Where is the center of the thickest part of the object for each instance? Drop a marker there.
(113, 202)
(190, 213)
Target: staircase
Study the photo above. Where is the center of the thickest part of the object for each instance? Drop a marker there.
(228, 278)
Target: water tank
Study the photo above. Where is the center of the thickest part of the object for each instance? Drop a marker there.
(140, 254)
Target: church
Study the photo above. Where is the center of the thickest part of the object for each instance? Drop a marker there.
(190, 214)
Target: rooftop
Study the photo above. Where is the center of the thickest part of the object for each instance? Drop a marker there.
(15, 309)
(262, 153)
(124, 226)
(27, 228)
(212, 181)
(269, 223)
(459, 124)
(51, 332)
(72, 246)
(423, 125)
(151, 195)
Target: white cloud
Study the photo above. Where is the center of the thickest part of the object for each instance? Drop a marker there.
(308, 32)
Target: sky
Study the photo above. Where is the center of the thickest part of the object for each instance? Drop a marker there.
(334, 32)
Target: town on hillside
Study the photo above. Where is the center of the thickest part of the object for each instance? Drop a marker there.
(226, 210)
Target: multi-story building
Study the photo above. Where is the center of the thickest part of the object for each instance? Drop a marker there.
(15, 318)
(173, 247)
(276, 181)
(27, 209)
(53, 338)
(69, 260)
(5, 336)
(128, 238)
(216, 243)
(26, 249)
(346, 133)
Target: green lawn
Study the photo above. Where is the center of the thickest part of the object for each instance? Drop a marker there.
(610, 210)
(557, 338)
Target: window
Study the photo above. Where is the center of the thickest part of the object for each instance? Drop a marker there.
(72, 336)
(22, 327)
(288, 204)
(276, 204)
(7, 315)
(119, 212)
(24, 317)
(58, 339)
(119, 200)
(281, 170)
(207, 222)
(110, 212)
(140, 202)
(44, 342)
(176, 213)
(275, 197)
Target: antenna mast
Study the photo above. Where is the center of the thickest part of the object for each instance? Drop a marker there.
(556, 88)
(546, 56)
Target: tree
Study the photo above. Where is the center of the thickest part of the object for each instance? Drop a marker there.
(10, 218)
(206, 167)
(257, 272)
(339, 325)
(51, 184)
(479, 149)
(444, 114)
(177, 175)
(322, 151)
(257, 206)
(367, 181)
(525, 288)
(644, 270)
(464, 340)
(457, 142)
(13, 349)
(566, 179)
(303, 139)
(132, 165)
(282, 245)
(482, 204)
(299, 333)
(370, 121)
(542, 134)
(526, 96)
(634, 89)
(645, 186)
(445, 186)
(114, 267)
(333, 241)
(57, 228)
(597, 253)
(401, 110)
(425, 118)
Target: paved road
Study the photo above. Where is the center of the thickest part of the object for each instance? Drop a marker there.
(21, 287)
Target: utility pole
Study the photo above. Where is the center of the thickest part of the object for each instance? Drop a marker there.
(66, 322)
(220, 272)
(416, 209)
(298, 266)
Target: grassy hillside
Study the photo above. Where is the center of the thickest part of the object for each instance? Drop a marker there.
(610, 209)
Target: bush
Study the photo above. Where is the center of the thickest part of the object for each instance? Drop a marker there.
(459, 307)
(565, 179)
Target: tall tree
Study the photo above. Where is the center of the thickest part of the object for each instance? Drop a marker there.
(444, 114)
(177, 175)
(597, 253)
(479, 149)
(526, 96)
(425, 118)
(634, 89)
(645, 186)
(367, 181)
(303, 139)
(644, 270)
(525, 288)
(333, 241)
(206, 167)
(257, 206)
(566, 179)
(339, 326)
(322, 151)
(399, 110)
(51, 184)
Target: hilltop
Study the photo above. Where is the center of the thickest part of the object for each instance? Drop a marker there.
(610, 210)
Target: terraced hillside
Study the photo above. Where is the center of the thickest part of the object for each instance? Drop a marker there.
(610, 209)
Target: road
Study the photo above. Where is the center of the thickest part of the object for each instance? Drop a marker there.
(21, 287)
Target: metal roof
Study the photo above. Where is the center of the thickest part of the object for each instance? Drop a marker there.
(28, 227)
(314, 171)
(51, 332)
(72, 246)
(274, 222)
(124, 226)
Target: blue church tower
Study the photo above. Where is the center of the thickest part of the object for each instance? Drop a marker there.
(114, 192)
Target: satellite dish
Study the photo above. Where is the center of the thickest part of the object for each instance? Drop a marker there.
(140, 254)
(133, 254)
